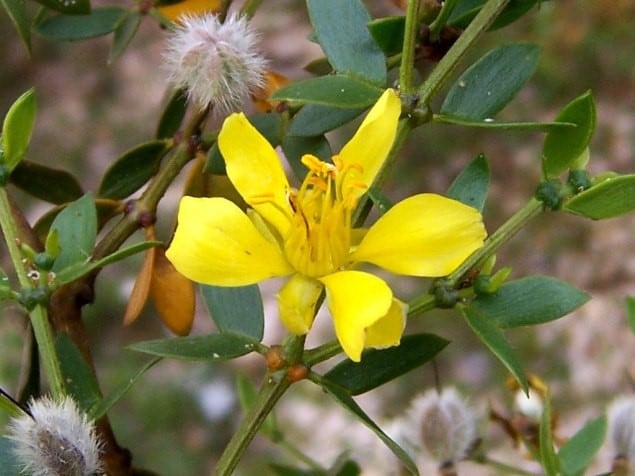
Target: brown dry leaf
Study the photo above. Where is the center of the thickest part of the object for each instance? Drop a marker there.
(172, 294)
(273, 82)
(141, 288)
(190, 8)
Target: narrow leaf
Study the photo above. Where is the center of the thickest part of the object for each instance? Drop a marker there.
(579, 450)
(380, 366)
(315, 120)
(610, 198)
(530, 301)
(173, 115)
(17, 129)
(465, 11)
(548, 456)
(46, 183)
(341, 28)
(79, 379)
(99, 22)
(238, 310)
(495, 341)
(489, 123)
(16, 9)
(132, 170)
(77, 229)
(489, 84)
(124, 33)
(630, 312)
(107, 403)
(563, 146)
(388, 33)
(69, 7)
(210, 348)
(471, 185)
(344, 399)
(78, 270)
(335, 91)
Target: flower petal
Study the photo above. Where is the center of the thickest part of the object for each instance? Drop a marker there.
(215, 243)
(372, 141)
(297, 301)
(424, 235)
(356, 301)
(387, 331)
(255, 170)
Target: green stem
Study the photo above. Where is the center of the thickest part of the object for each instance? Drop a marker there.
(450, 61)
(501, 236)
(272, 389)
(38, 315)
(322, 353)
(424, 303)
(442, 18)
(408, 51)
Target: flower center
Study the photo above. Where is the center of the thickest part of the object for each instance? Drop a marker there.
(318, 242)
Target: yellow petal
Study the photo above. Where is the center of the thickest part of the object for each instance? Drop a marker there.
(255, 170)
(372, 141)
(188, 8)
(215, 243)
(424, 235)
(296, 302)
(356, 300)
(387, 331)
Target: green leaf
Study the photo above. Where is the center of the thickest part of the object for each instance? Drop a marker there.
(69, 7)
(495, 341)
(79, 380)
(630, 312)
(295, 147)
(610, 198)
(132, 170)
(466, 10)
(107, 403)
(548, 456)
(578, 451)
(380, 366)
(210, 348)
(247, 395)
(46, 183)
(343, 398)
(78, 270)
(124, 33)
(173, 115)
(315, 120)
(481, 91)
(16, 9)
(529, 301)
(8, 461)
(341, 28)
(77, 228)
(388, 33)
(471, 185)
(17, 129)
(505, 126)
(99, 22)
(563, 146)
(335, 91)
(236, 310)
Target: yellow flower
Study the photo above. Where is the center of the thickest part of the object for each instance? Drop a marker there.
(307, 233)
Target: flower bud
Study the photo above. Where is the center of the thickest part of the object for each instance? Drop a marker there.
(217, 63)
(55, 439)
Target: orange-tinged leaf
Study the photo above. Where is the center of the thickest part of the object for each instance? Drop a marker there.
(172, 294)
(189, 7)
(141, 288)
(273, 82)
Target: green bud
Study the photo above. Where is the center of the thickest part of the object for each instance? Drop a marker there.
(579, 180)
(549, 193)
(445, 296)
(482, 285)
(44, 261)
(499, 278)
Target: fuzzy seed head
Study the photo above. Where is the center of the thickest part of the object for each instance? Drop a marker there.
(217, 63)
(57, 439)
(621, 416)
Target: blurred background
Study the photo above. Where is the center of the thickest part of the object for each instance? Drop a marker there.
(179, 416)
